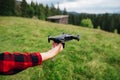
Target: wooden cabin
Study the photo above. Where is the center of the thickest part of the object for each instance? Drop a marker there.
(63, 19)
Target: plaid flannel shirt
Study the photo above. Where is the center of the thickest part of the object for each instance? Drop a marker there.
(16, 62)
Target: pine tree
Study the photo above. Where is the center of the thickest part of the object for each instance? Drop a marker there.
(18, 8)
(47, 11)
(30, 11)
(70, 18)
(33, 6)
(37, 10)
(118, 23)
(42, 12)
(112, 28)
(53, 10)
(24, 8)
(58, 12)
(64, 12)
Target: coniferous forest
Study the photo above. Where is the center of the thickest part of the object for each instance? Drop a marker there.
(107, 21)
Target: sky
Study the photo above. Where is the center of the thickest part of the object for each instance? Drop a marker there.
(84, 6)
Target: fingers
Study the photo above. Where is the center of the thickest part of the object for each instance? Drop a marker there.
(54, 44)
(57, 44)
(61, 47)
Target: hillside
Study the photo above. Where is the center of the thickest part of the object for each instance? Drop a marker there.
(95, 57)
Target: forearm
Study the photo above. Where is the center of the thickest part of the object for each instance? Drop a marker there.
(51, 53)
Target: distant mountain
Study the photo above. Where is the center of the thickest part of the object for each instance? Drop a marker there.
(92, 13)
(73, 13)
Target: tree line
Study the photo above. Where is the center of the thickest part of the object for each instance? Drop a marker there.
(107, 22)
(22, 8)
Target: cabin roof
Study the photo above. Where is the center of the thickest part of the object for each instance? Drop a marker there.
(58, 17)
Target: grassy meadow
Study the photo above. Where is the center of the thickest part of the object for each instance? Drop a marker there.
(95, 57)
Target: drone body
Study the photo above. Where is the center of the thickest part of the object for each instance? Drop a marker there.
(63, 38)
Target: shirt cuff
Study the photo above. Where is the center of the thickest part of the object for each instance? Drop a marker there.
(36, 58)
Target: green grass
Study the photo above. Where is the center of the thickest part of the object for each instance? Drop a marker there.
(95, 57)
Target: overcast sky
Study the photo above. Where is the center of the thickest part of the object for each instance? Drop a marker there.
(85, 6)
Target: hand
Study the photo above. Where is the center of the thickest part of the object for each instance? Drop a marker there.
(56, 48)
(54, 44)
(57, 44)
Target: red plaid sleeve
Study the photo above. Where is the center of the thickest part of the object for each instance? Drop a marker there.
(16, 62)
